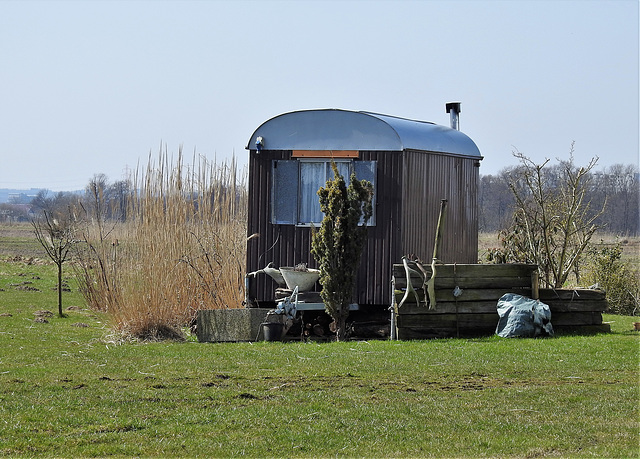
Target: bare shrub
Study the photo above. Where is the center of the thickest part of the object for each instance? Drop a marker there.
(618, 278)
(180, 249)
(55, 231)
(552, 220)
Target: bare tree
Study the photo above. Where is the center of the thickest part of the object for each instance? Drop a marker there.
(95, 202)
(552, 221)
(619, 184)
(55, 233)
(12, 212)
(53, 203)
(119, 193)
(494, 201)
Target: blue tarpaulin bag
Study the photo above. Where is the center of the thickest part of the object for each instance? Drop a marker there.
(522, 317)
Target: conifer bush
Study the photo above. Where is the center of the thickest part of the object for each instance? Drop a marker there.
(337, 245)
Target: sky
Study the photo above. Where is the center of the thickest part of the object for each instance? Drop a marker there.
(90, 87)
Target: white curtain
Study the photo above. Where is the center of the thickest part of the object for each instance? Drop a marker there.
(312, 177)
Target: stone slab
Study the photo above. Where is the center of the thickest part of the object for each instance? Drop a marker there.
(230, 325)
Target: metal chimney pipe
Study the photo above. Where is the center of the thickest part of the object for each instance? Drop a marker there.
(453, 108)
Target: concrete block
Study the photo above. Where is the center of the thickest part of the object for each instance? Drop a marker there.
(230, 325)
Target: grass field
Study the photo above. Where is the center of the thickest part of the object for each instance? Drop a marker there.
(68, 388)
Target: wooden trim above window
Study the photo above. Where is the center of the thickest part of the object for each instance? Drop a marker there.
(325, 154)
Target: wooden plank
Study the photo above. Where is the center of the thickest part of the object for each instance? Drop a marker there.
(488, 306)
(469, 282)
(449, 320)
(586, 297)
(488, 318)
(325, 154)
(576, 306)
(535, 285)
(571, 294)
(471, 270)
(467, 295)
(582, 329)
(575, 318)
(449, 307)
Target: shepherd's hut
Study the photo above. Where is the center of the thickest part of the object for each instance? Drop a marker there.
(412, 164)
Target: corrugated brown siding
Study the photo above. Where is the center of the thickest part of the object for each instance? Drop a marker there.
(283, 245)
(384, 242)
(429, 178)
(406, 217)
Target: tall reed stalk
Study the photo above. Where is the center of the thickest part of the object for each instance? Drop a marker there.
(181, 248)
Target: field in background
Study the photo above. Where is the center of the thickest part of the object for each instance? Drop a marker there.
(630, 245)
(18, 240)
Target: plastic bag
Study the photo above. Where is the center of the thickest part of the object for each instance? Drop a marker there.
(522, 317)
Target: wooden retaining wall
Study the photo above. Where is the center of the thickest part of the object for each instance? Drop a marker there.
(474, 312)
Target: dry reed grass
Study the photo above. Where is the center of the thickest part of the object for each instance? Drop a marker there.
(180, 249)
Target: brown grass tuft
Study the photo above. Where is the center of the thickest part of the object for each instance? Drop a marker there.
(181, 248)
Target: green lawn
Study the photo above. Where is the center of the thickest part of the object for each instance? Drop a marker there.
(67, 388)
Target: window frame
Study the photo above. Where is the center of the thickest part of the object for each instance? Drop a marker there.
(285, 203)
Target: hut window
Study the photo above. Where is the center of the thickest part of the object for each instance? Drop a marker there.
(313, 175)
(295, 185)
(284, 193)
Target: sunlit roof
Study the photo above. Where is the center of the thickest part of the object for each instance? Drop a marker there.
(334, 129)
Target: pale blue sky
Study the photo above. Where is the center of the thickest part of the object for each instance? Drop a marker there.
(94, 86)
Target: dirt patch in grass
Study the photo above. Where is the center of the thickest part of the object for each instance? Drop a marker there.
(18, 241)
(43, 313)
(473, 382)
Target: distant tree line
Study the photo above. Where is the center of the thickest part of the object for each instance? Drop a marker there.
(616, 188)
(100, 197)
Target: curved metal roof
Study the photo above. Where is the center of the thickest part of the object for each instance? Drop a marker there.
(334, 129)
